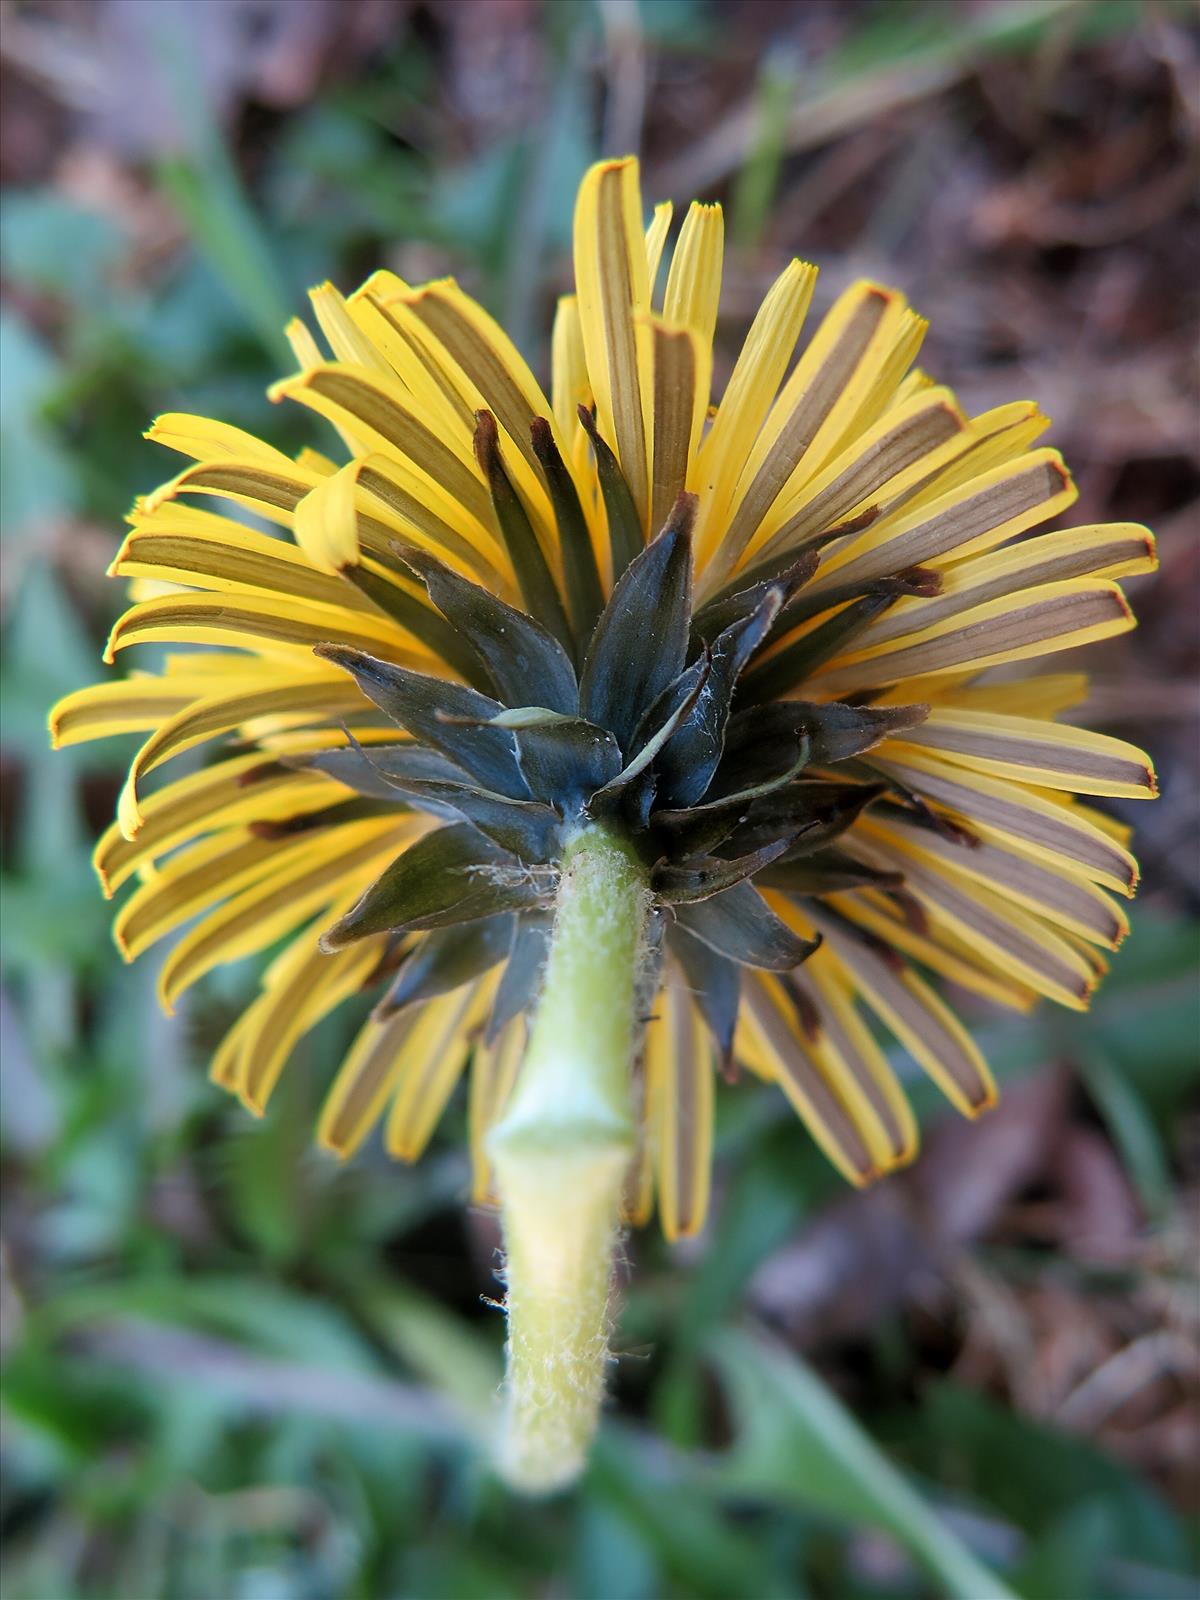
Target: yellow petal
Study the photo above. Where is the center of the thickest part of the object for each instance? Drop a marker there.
(884, 1115)
(228, 557)
(486, 371)
(493, 1073)
(913, 383)
(230, 792)
(311, 698)
(397, 502)
(128, 706)
(1043, 697)
(694, 281)
(1012, 940)
(225, 1065)
(933, 945)
(274, 493)
(383, 1055)
(479, 346)
(1111, 827)
(304, 347)
(378, 410)
(1012, 811)
(302, 987)
(380, 310)
(263, 623)
(748, 396)
(771, 1027)
(827, 387)
(346, 339)
(1056, 616)
(314, 461)
(204, 439)
(189, 883)
(637, 1200)
(656, 238)
(1053, 755)
(682, 369)
(834, 1042)
(1118, 551)
(308, 875)
(428, 1074)
(999, 436)
(365, 1080)
(572, 386)
(613, 290)
(907, 443)
(1061, 899)
(987, 511)
(884, 393)
(927, 1028)
(326, 522)
(679, 1109)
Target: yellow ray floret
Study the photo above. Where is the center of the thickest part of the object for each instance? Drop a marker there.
(679, 1111)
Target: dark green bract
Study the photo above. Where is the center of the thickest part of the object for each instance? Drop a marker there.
(649, 718)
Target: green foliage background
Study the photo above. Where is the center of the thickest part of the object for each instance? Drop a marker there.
(233, 1371)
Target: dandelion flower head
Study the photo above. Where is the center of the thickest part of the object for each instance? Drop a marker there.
(753, 634)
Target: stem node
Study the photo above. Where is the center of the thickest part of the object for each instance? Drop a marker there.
(560, 1155)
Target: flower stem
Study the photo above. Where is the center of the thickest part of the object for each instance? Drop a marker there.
(560, 1155)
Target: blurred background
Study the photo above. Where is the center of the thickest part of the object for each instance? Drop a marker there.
(233, 1371)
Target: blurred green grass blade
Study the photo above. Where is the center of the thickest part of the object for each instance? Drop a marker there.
(48, 927)
(707, 1554)
(905, 54)
(1068, 1559)
(55, 245)
(795, 1441)
(911, 34)
(218, 215)
(324, 1333)
(263, 1315)
(1130, 1127)
(1034, 1475)
(1159, 947)
(204, 185)
(613, 1561)
(441, 1348)
(262, 1166)
(758, 178)
(40, 482)
(68, 1412)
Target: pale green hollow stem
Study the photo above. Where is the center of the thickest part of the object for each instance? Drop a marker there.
(560, 1156)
